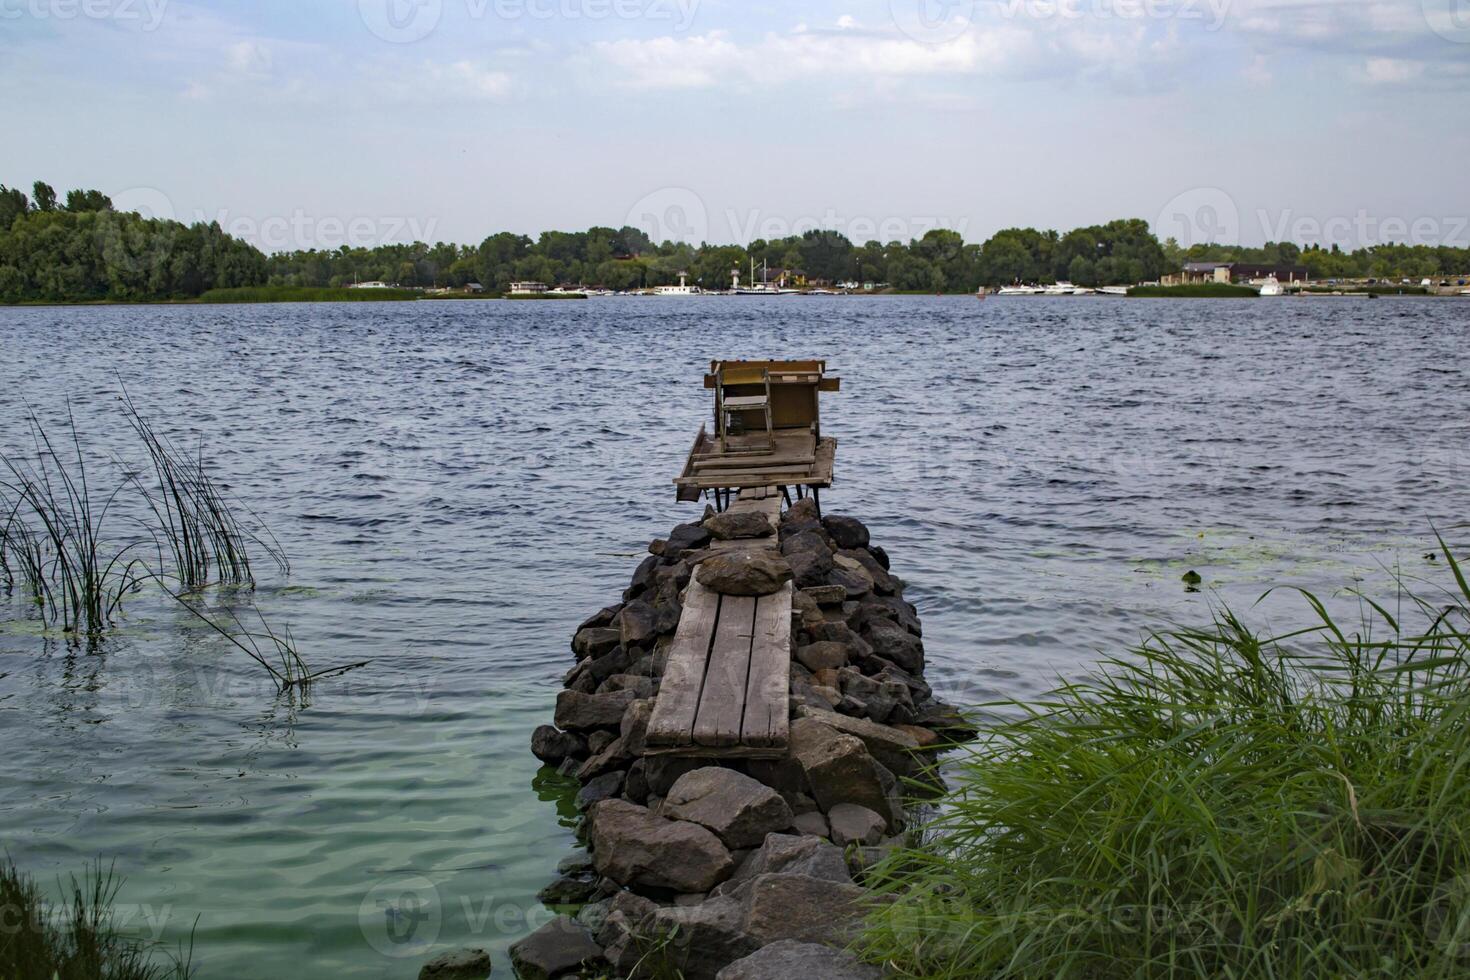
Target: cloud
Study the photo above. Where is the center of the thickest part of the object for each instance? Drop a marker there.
(474, 81)
(249, 58)
(1391, 71)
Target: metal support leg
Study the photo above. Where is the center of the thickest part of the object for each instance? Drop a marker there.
(817, 499)
(786, 495)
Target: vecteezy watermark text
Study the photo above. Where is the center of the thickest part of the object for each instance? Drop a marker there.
(407, 21)
(149, 13)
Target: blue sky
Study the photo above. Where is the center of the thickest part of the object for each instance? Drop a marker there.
(317, 122)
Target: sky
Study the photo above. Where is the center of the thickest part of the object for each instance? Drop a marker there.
(319, 123)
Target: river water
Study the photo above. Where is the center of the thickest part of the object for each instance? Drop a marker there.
(458, 484)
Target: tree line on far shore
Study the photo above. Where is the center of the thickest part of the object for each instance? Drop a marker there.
(81, 249)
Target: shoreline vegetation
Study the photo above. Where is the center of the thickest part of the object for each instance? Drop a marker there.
(1214, 803)
(80, 939)
(82, 250)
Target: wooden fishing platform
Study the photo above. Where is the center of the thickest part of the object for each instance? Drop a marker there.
(726, 684)
(767, 431)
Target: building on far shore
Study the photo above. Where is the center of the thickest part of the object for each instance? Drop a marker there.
(527, 288)
(1237, 272)
(375, 284)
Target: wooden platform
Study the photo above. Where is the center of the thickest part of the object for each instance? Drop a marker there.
(725, 688)
(798, 459)
(726, 685)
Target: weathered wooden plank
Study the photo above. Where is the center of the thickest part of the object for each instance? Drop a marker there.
(746, 544)
(769, 684)
(672, 721)
(722, 702)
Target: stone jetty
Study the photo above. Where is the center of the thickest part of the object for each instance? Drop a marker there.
(726, 868)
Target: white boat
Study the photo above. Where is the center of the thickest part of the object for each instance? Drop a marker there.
(1112, 290)
(1018, 291)
(1270, 286)
(683, 289)
(1082, 291)
(1059, 289)
(757, 288)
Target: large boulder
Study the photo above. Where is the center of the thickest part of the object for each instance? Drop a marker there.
(791, 958)
(637, 623)
(739, 810)
(892, 642)
(599, 788)
(814, 542)
(846, 572)
(561, 946)
(632, 845)
(789, 853)
(595, 641)
(457, 964)
(551, 745)
(846, 532)
(581, 712)
(797, 906)
(810, 568)
(733, 525)
(891, 746)
(853, 824)
(744, 573)
(633, 729)
(838, 769)
(685, 537)
(822, 655)
(697, 941)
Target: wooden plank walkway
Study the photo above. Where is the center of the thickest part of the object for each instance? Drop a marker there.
(727, 680)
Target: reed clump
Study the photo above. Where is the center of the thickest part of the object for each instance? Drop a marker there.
(76, 559)
(79, 940)
(1217, 803)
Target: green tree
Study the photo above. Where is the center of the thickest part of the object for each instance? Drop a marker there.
(44, 195)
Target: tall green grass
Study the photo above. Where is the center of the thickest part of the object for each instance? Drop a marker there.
(76, 941)
(1196, 290)
(76, 561)
(1217, 803)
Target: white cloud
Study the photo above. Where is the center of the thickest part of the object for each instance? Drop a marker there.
(1391, 71)
(476, 81)
(249, 58)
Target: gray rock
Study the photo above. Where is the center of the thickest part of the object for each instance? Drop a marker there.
(797, 906)
(598, 741)
(838, 769)
(600, 619)
(827, 595)
(576, 711)
(634, 846)
(609, 759)
(740, 810)
(459, 964)
(595, 641)
(804, 609)
(846, 532)
(810, 568)
(640, 685)
(847, 573)
(698, 941)
(857, 647)
(892, 642)
(642, 577)
(787, 853)
(812, 824)
(551, 745)
(822, 655)
(568, 890)
(686, 537)
(801, 511)
(625, 911)
(787, 959)
(575, 863)
(603, 787)
(744, 573)
(662, 771)
(637, 623)
(733, 525)
(614, 662)
(633, 729)
(883, 583)
(558, 947)
(814, 542)
(893, 748)
(853, 824)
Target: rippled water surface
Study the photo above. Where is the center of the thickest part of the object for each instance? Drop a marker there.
(459, 484)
